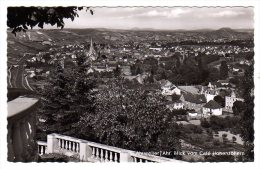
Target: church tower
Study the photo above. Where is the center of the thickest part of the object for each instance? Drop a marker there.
(91, 54)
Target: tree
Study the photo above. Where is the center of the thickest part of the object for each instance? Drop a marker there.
(238, 107)
(247, 118)
(205, 123)
(132, 119)
(223, 70)
(117, 71)
(219, 100)
(68, 96)
(20, 18)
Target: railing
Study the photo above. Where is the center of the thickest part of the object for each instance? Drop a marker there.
(42, 147)
(21, 130)
(104, 153)
(144, 158)
(95, 152)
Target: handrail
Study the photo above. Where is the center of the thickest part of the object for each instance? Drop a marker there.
(96, 152)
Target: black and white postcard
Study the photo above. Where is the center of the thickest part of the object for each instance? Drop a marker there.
(138, 84)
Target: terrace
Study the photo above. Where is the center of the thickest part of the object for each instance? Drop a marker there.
(23, 147)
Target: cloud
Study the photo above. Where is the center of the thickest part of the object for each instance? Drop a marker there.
(173, 13)
(227, 13)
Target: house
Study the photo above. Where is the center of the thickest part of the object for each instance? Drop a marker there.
(230, 100)
(193, 101)
(90, 70)
(210, 94)
(126, 70)
(193, 115)
(189, 89)
(212, 108)
(175, 105)
(223, 82)
(165, 84)
(170, 90)
(214, 85)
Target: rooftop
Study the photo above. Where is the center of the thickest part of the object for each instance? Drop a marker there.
(212, 104)
(189, 89)
(194, 98)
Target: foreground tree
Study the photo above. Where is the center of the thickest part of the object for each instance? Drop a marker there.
(68, 96)
(132, 119)
(23, 18)
(247, 117)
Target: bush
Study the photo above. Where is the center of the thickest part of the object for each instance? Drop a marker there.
(216, 142)
(197, 129)
(204, 123)
(190, 128)
(53, 158)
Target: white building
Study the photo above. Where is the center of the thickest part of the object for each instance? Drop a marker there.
(192, 115)
(175, 105)
(170, 90)
(230, 100)
(212, 108)
(210, 94)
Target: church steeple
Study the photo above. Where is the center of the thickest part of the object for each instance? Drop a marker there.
(91, 54)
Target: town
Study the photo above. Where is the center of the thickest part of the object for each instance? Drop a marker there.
(197, 74)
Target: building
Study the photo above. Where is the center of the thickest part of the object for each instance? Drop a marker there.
(210, 94)
(212, 108)
(175, 105)
(126, 70)
(91, 54)
(193, 115)
(230, 100)
(165, 84)
(170, 90)
(193, 101)
(189, 89)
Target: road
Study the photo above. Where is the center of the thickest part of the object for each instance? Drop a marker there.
(16, 77)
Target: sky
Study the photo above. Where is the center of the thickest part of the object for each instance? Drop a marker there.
(168, 18)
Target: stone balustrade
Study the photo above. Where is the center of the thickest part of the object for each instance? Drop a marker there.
(104, 153)
(95, 152)
(42, 147)
(21, 130)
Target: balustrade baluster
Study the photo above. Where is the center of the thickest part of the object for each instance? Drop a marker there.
(134, 159)
(116, 157)
(68, 146)
(77, 147)
(93, 153)
(74, 147)
(106, 156)
(101, 155)
(64, 144)
(112, 156)
(97, 153)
